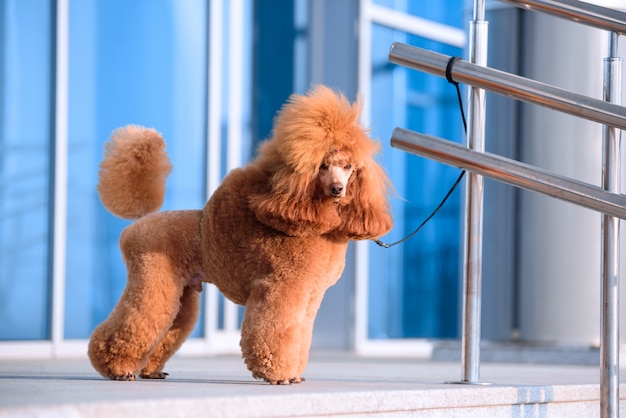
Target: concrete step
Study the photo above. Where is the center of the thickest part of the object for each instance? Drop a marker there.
(337, 385)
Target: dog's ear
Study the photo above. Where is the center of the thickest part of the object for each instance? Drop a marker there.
(290, 205)
(367, 214)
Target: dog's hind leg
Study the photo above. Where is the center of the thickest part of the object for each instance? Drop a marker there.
(175, 336)
(121, 345)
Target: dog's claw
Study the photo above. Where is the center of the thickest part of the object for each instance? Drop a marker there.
(155, 375)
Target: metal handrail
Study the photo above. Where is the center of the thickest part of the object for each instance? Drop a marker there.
(511, 85)
(511, 172)
(473, 158)
(578, 11)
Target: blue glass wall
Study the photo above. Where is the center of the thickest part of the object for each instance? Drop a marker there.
(148, 69)
(26, 123)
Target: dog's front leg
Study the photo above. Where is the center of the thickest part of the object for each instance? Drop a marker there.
(277, 328)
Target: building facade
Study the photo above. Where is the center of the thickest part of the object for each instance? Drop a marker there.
(210, 76)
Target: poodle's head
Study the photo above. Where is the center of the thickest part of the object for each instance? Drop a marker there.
(322, 175)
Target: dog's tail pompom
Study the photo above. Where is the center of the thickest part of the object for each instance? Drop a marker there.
(134, 172)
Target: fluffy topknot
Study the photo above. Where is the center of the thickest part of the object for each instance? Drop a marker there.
(309, 127)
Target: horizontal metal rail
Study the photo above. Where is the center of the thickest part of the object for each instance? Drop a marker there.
(510, 85)
(510, 172)
(578, 11)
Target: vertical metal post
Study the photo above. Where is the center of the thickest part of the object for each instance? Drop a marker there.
(609, 352)
(60, 163)
(215, 40)
(473, 231)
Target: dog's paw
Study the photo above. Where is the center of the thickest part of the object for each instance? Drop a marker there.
(125, 377)
(291, 381)
(154, 375)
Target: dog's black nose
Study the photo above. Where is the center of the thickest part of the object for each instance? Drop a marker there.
(336, 189)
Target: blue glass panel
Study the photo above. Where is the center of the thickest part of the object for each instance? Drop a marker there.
(25, 132)
(273, 75)
(414, 286)
(448, 12)
(132, 62)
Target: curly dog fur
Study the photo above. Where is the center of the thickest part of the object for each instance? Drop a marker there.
(272, 237)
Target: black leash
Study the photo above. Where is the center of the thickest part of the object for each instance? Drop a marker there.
(458, 180)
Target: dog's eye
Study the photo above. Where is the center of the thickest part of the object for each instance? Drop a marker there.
(347, 167)
(324, 166)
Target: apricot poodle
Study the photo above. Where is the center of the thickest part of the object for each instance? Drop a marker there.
(272, 237)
